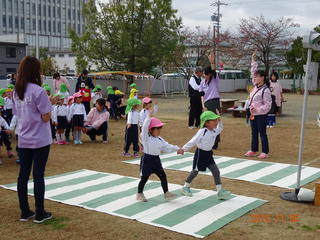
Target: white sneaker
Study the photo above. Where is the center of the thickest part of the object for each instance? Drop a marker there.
(169, 196)
(141, 198)
(191, 127)
(271, 126)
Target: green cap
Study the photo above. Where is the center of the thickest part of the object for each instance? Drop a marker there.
(133, 85)
(206, 116)
(10, 86)
(63, 88)
(110, 90)
(98, 87)
(2, 91)
(45, 84)
(1, 101)
(132, 102)
(47, 88)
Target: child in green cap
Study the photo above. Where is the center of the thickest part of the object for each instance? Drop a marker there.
(64, 91)
(211, 127)
(96, 94)
(60, 120)
(132, 130)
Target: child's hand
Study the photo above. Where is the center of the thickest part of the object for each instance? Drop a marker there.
(8, 131)
(129, 126)
(180, 151)
(218, 112)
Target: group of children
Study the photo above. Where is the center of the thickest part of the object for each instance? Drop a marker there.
(152, 145)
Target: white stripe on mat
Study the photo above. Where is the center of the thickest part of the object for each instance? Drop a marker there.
(291, 179)
(237, 166)
(196, 223)
(67, 189)
(165, 208)
(182, 160)
(263, 172)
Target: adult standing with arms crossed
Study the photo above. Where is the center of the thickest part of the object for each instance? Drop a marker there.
(210, 87)
(195, 98)
(32, 108)
(84, 85)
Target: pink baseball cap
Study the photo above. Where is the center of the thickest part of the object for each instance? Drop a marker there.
(77, 95)
(155, 123)
(146, 100)
(70, 98)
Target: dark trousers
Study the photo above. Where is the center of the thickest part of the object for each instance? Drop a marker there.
(38, 157)
(195, 111)
(87, 106)
(68, 129)
(132, 137)
(259, 127)
(213, 105)
(102, 130)
(161, 175)
(53, 130)
(5, 140)
(8, 115)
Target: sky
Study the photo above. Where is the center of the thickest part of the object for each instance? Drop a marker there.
(194, 13)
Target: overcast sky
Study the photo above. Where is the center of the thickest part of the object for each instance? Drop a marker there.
(197, 12)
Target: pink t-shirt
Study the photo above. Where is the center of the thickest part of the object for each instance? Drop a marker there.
(34, 132)
(57, 83)
(276, 90)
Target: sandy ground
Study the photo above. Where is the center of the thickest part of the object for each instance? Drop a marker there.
(76, 223)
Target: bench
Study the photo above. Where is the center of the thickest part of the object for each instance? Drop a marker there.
(227, 103)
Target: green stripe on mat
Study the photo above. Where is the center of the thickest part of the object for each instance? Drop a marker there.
(250, 169)
(181, 214)
(143, 206)
(95, 203)
(49, 177)
(101, 186)
(228, 218)
(71, 182)
(229, 162)
(271, 178)
(307, 180)
(180, 165)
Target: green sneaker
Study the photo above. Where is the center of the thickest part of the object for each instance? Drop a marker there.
(186, 191)
(223, 194)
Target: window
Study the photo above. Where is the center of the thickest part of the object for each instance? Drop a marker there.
(54, 11)
(11, 52)
(10, 21)
(4, 5)
(78, 15)
(54, 26)
(34, 24)
(71, 55)
(61, 55)
(49, 26)
(69, 14)
(44, 10)
(39, 10)
(74, 14)
(49, 11)
(11, 70)
(4, 21)
(16, 22)
(33, 8)
(44, 26)
(59, 12)
(39, 23)
(59, 27)
(22, 23)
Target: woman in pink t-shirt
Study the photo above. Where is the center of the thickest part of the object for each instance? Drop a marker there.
(58, 80)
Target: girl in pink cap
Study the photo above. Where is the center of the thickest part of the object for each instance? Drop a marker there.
(77, 116)
(150, 163)
(147, 105)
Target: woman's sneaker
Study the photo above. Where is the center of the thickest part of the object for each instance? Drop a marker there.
(263, 156)
(141, 198)
(126, 154)
(223, 194)
(43, 217)
(27, 216)
(136, 154)
(169, 196)
(186, 191)
(250, 154)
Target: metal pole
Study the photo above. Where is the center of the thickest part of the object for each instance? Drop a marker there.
(218, 37)
(304, 113)
(37, 31)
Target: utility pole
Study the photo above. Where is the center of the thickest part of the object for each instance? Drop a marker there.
(215, 18)
(37, 32)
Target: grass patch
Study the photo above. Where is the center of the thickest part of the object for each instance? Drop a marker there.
(56, 223)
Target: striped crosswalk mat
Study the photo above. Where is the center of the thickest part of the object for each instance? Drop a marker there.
(267, 173)
(198, 216)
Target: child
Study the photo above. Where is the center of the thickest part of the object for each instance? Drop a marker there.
(271, 118)
(96, 94)
(77, 116)
(64, 92)
(150, 161)
(15, 127)
(132, 131)
(276, 89)
(120, 106)
(8, 105)
(211, 126)
(147, 105)
(5, 130)
(69, 125)
(133, 93)
(60, 120)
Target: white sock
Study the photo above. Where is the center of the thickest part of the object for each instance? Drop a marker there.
(58, 137)
(186, 184)
(79, 135)
(218, 187)
(62, 137)
(75, 135)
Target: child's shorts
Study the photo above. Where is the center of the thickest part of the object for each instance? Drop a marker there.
(62, 122)
(78, 121)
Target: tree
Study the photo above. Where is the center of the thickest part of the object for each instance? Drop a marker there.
(135, 35)
(267, 36)
(48, 64)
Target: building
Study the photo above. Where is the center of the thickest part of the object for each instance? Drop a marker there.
(55, 17)
(65, 61)
(10, 56)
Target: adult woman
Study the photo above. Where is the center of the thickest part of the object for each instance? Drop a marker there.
(58, 80)
(84, 85)
(210, 87)
(259, 105)
(32, 108)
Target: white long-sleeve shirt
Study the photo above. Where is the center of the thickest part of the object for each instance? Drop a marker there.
(133, 117)
(61, 111)
(77, 109)
(7, 103)
(144, 113)
(154, 145)
(194, 84)
(204, 138)
(95, 96)
(66, 95)
(4, 124)
(14, 125)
